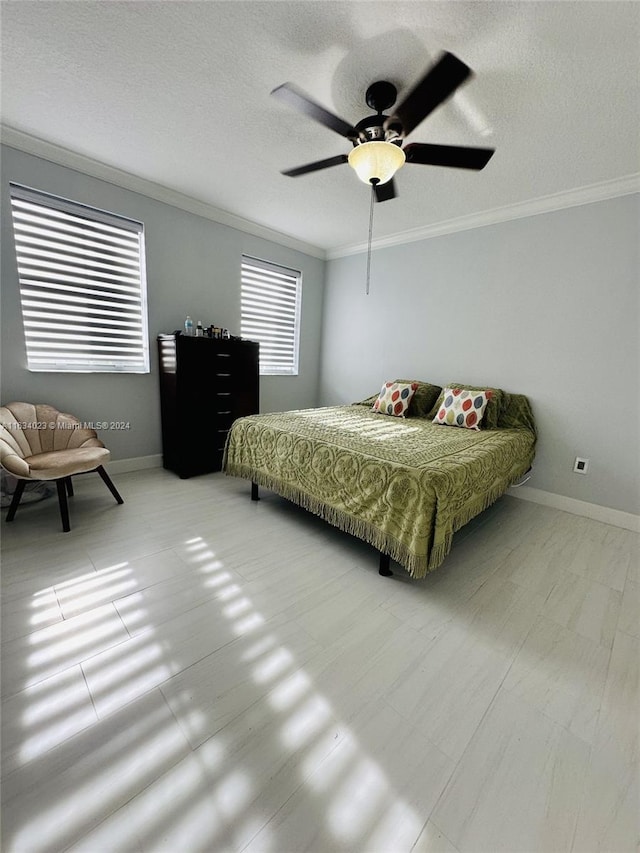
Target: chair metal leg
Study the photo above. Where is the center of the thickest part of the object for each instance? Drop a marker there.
(62, 500)
(107, 480)
(15, 500)
(69, 486)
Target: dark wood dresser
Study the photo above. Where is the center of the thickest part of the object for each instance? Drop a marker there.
(205, 384)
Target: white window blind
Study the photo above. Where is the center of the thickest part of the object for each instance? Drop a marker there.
(270, 313)
(82, 285)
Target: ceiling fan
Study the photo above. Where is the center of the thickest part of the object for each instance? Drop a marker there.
(377, 140)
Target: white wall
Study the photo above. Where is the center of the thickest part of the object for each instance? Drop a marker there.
(546, 306)
(193, 267)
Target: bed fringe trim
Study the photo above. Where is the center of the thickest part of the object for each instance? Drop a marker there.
(417, 566)
(440, 550)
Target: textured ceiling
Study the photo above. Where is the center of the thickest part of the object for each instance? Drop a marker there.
(178, 93)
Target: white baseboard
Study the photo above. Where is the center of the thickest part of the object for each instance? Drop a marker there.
(616, 517)
(136, 463)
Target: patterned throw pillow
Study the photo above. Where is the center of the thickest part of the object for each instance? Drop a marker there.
(494, 406)
(394, 398)
(462, 407)
(422, 403)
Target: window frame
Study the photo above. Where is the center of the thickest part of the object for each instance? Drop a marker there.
(88, 309)
(269, 368)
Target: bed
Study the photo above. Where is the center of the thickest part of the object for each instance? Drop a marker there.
(405, 485)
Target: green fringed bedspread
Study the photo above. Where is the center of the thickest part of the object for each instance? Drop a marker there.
(403, 485)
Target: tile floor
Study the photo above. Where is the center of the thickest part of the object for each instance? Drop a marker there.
(196, 672)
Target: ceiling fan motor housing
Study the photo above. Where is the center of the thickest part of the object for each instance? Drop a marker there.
(379, 96)
(371, 129)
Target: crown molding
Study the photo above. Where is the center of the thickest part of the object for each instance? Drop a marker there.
(601, 191)
(94, 168)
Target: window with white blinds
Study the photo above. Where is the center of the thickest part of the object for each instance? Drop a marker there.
(270, 314)
(82, 285)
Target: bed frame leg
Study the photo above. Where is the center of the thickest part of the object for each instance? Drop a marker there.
(254, 492)
(384, 569)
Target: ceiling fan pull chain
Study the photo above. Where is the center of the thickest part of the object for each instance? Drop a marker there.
(374, 181)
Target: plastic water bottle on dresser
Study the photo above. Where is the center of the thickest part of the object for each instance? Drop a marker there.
(188, 327)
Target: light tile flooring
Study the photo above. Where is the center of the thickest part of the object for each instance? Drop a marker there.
(196, 672)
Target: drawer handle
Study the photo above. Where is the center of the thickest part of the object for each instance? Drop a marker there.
(226, 412)
(223, 354)
(223, 393)
(223, 374)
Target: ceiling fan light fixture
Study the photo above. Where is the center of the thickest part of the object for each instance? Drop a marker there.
(377, 161)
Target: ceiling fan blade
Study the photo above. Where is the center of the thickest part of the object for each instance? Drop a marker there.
(455, 156)
(440, 81)
(293, 97)
(319, 164)
(385, 192)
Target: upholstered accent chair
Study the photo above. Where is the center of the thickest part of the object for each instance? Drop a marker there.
(37, 442)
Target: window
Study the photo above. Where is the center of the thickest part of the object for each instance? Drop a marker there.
(270, 307)
(82, 285)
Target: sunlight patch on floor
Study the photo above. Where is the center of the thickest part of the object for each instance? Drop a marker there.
(124, 763)
(204, 798)
(289, 691)
(237, 608)
(357, 800)
(273, 666)
(248, 624)
(102, 627)
(303, 724)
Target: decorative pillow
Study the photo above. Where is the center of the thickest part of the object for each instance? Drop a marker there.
(494, 406)
(394, 398)
(462, 407)
(421, 403)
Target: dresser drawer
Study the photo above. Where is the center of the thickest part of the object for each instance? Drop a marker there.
(212, 382)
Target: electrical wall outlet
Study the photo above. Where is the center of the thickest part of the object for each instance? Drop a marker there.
(581, 465)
